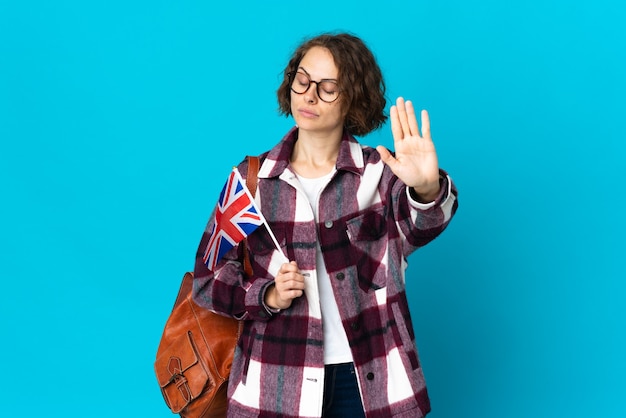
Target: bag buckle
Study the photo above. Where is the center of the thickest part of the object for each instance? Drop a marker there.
(178, 378)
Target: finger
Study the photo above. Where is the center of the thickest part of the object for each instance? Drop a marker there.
(384, 153)
(288, 267)
(287, 280)
(296, 284)
(288, 295)
(425, 124)
(396, 127)
(387, 157)
(402, 116)
(293, 278)
(290, 287)
(412, 119)
(284, 288)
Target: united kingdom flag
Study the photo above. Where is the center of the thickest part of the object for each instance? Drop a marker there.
(236, 217)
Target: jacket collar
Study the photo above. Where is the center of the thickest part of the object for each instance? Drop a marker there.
(350, 156)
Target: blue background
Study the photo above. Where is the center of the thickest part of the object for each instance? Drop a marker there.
(119, 122)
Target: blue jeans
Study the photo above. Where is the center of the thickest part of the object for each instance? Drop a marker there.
(341, 392)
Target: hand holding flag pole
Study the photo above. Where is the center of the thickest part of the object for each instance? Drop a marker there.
(236, 217)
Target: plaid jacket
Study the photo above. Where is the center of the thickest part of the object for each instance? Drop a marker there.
(368, 225)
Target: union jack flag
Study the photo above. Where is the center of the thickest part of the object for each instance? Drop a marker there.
(236, 217)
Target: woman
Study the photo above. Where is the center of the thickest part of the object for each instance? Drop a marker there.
(328, 331)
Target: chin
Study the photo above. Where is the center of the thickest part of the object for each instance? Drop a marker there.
(304, 124)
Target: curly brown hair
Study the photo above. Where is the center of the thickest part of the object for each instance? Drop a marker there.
(360, 81)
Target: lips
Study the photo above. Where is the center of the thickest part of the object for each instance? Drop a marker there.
(307, 113)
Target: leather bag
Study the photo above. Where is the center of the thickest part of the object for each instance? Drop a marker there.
(196, 350)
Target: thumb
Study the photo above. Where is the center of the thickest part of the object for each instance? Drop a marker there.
(385, 155)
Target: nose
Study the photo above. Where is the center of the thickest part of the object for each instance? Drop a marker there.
(310, 96)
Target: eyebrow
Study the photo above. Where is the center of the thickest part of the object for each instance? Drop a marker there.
(323, 79)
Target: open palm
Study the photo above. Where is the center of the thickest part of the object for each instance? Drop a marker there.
(415, 161)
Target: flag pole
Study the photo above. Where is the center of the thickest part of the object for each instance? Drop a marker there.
(269, 230)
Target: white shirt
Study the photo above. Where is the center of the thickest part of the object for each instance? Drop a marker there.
(336, 346)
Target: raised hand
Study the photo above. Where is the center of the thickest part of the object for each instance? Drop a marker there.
(415, 161)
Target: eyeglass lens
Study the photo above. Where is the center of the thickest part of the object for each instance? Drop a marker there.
(327, 90)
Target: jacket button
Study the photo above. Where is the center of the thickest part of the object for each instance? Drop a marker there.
(354, 326)
(328, 224)
(340, 276)
(370, 376)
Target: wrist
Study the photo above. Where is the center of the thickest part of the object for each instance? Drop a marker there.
(426, 194)
(270, 297)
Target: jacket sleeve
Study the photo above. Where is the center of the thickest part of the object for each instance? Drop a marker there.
(228, 290)
(421, 223)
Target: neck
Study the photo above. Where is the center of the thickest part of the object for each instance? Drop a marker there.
(315, 155)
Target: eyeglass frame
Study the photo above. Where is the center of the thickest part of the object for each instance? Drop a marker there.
(291, 76)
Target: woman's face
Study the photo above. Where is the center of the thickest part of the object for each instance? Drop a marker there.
(311, 113)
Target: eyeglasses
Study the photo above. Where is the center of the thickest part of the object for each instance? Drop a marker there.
(327, 90)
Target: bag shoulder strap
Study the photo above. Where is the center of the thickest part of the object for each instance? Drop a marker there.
(253, 170)
(251, 182)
